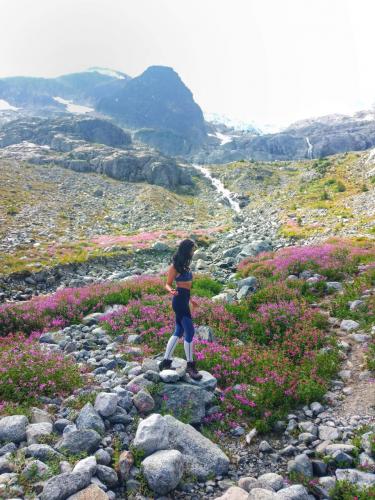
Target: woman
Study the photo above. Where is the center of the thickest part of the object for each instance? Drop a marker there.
(180, 272)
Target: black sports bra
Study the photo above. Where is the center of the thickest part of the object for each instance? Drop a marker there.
(186, 276)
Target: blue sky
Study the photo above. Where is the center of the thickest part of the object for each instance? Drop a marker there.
(266, 61)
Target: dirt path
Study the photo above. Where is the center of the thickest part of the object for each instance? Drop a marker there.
(361, 389)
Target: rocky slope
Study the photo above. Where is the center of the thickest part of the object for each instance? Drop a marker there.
(312, 138)
(88, 145)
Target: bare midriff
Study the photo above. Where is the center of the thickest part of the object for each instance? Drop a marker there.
(184, 284)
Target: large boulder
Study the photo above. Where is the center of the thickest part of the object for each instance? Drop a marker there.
(185, 401)
(163, 470)
(152, 434)
(202, 457)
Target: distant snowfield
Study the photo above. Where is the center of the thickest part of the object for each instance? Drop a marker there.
(5, 106)
(108, 72)
(74, 108)
(224, 139)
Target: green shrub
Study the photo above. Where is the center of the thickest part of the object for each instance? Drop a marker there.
(345, 490)
(206, 287)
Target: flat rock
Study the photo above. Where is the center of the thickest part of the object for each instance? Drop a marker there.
(184, 400)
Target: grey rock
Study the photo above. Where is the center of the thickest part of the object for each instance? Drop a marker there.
(13, 428)
(265, 447)
(327, 432)
(207, 381)
(184, 399)
(35, 431)
(103, 457)
(152, 434)
(85, 440)
(86, 465)
(275, 481)
(43, 452)
(342, 458)
(169, 376)
(35, 469)
(356, 476)
(201, 456)
(349, 325)
(107, 475)
(143, 401)
(62, 486)
(105, 403)
(205, 333)
(261, 494)
(334, 286)
(295, 492)
(89, 418)
(163, 470)
(301, 464)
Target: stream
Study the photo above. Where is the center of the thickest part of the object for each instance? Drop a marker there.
(219, 186)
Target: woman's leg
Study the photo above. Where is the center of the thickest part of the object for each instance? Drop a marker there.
(188, 327)
(188, 346)
(172, 342)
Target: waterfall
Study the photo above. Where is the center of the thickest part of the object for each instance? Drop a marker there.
(309, 148)
(219, 186)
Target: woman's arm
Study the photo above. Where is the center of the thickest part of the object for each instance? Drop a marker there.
(172, 273)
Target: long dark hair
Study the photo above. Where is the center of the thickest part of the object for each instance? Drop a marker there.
(182, 258)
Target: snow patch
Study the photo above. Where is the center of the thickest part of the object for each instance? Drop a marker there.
(73, 108)
(108, 72)
(5, 106)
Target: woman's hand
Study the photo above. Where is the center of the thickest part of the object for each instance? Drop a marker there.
(173, 292)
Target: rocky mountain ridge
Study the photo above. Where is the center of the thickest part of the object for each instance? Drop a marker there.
(87, 144)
